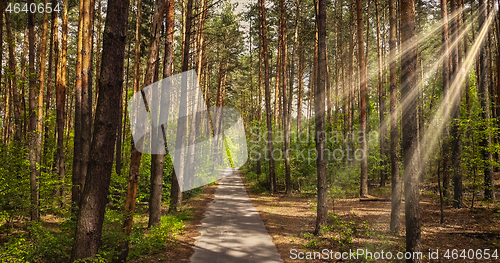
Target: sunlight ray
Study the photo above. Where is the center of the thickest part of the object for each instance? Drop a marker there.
(441, 117)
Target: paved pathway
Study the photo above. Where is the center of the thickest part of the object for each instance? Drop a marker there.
(232, 231)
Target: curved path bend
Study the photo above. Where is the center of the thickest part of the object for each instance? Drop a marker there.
(232, 231)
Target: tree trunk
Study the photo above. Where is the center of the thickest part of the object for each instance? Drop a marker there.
(69, 106)
(446, 87)
(350, 100)
(498, 63)
(23, 78)
(7, 115)
(182, 124)
(314, 83)
(283, 72)
(41, 90)
(53, 49)
(123, 117)
(3, 5)
(290, 96)
(259, 104)
(94, 198)
(278, 77)
(267, 98)
(492, 80)
(381, 103)
(342, 64)
(61, 97)
(176, 192)
(456, 149)
(13, 81)
(157, 160)
(363, 87)
(497, 23)
(483, 91)
(300, 88)
(337, 63)
(136, 156)
(395, 181)
(367, 35)
(319, 109)
(410, 140)
(77, 187)
(168, 64)
(86, 103)
(258, 168)
(35, 216)
(98, 51)
(328, 93)
(467, 73)
(310, 89)
(53, 63)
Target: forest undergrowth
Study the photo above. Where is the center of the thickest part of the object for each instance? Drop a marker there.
(50, 240)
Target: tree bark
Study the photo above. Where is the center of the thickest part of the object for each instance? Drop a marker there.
(61, 96)
(267, 98)
(23, 78)
(98, 51)
(53, 64)
(53, 57)
(446, 87)
(259, 104)
(300, 88)
(410, 140)
(350, 100)
(168, 66)
(319, 109)
(381, 102)
(467, 73)
(258, 168)
(286, 97)
(497, 61)
(182, 124)
(77, 187)
(35, 216)
(13, 81)
(136, 156)
(41, 90)
(3, 5)
(483, 91)
(159, 159)
(278, 77)
(363, 87)
(94, 198)
(86, 103)
(123, 117)
(342, 64)
(176, 191)
(491, 78)
(337, 63)
(456, 150)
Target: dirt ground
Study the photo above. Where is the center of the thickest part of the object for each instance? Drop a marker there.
(290, 221)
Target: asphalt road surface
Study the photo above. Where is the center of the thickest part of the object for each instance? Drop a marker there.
(232, 231)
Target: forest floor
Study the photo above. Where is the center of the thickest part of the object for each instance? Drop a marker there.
(354, 225)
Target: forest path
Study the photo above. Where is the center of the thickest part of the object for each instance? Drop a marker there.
(232, 230)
